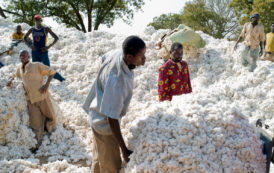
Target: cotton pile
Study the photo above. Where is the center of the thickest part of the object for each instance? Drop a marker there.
(197, 132)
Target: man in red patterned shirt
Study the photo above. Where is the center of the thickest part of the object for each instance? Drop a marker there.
(173, 75)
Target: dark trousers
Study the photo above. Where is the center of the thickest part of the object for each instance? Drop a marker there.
(44, 58)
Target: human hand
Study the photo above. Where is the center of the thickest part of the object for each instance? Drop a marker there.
(44, 49)
(33, 47)
(261, 52)
(126, 153)
(9, 84)
(43, 89)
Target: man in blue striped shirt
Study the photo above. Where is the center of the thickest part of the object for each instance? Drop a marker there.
(107, 103)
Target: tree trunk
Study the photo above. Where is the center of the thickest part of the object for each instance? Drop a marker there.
(89, 21)
(101, 18)
(79, 17)
(2, 13)
(89, 11)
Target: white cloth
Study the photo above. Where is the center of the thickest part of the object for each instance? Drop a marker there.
(110, 94)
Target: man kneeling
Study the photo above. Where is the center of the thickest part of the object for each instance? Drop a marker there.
(39, 104)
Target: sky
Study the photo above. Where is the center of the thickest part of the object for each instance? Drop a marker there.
(151, 9)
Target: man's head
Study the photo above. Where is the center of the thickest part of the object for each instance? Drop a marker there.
(38, 20)
(24, 56)
(19, 29)
(255, 18)
(134, 49)
(176, 52)
(272, 28)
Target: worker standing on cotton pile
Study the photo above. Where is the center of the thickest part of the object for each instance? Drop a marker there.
(39, 104)
(253, 35)
(269, 49)
(174, 75)
(39, 47)
(107, 103)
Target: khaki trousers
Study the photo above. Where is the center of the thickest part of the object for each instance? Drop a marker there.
(106, 156)
(40, 113)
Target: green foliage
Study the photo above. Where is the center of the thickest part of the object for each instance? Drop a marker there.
(73, 12)
(244, 8)
(166, 21)
(24, 10)
(211, 16)
(203, 19)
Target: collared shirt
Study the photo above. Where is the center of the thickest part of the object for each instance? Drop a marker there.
(269, 42)
(16, 36)
(173, 80)
(33, 80)
(110, 94)
(253, 35)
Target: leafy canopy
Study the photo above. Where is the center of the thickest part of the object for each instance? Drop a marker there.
(74, 12)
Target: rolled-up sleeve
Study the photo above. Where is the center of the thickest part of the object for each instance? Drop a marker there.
(17, 73)
(113, 98)
(45, 70)
(243, 31)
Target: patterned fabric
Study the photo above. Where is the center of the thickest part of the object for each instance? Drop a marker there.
(173, 80)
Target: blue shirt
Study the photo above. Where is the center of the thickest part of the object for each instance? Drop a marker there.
(39, 38)
(111, 92)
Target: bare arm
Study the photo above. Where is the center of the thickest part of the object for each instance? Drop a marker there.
(115, 128)
(238, 41)
(25, 38)
(261, 48)
(9, 83)
(53, 35)
(45, 87)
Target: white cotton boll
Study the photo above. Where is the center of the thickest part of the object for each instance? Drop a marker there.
(195, 133)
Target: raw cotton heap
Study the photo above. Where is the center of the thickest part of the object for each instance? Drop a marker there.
(197, 132)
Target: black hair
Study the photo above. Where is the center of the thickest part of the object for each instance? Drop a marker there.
(18, 26)
(175, 46)
(132, 45)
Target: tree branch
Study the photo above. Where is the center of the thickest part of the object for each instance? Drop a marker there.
(79, 17)
(2, 13)
(11, 12)
(99, 20)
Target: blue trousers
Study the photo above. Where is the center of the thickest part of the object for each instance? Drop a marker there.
(249, 57)
(44, 58)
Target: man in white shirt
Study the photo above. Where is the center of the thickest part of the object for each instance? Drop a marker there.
(107, 103)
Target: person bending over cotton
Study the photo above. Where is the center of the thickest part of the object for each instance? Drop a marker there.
(174, 75)
(39, 104)
(107, 103)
